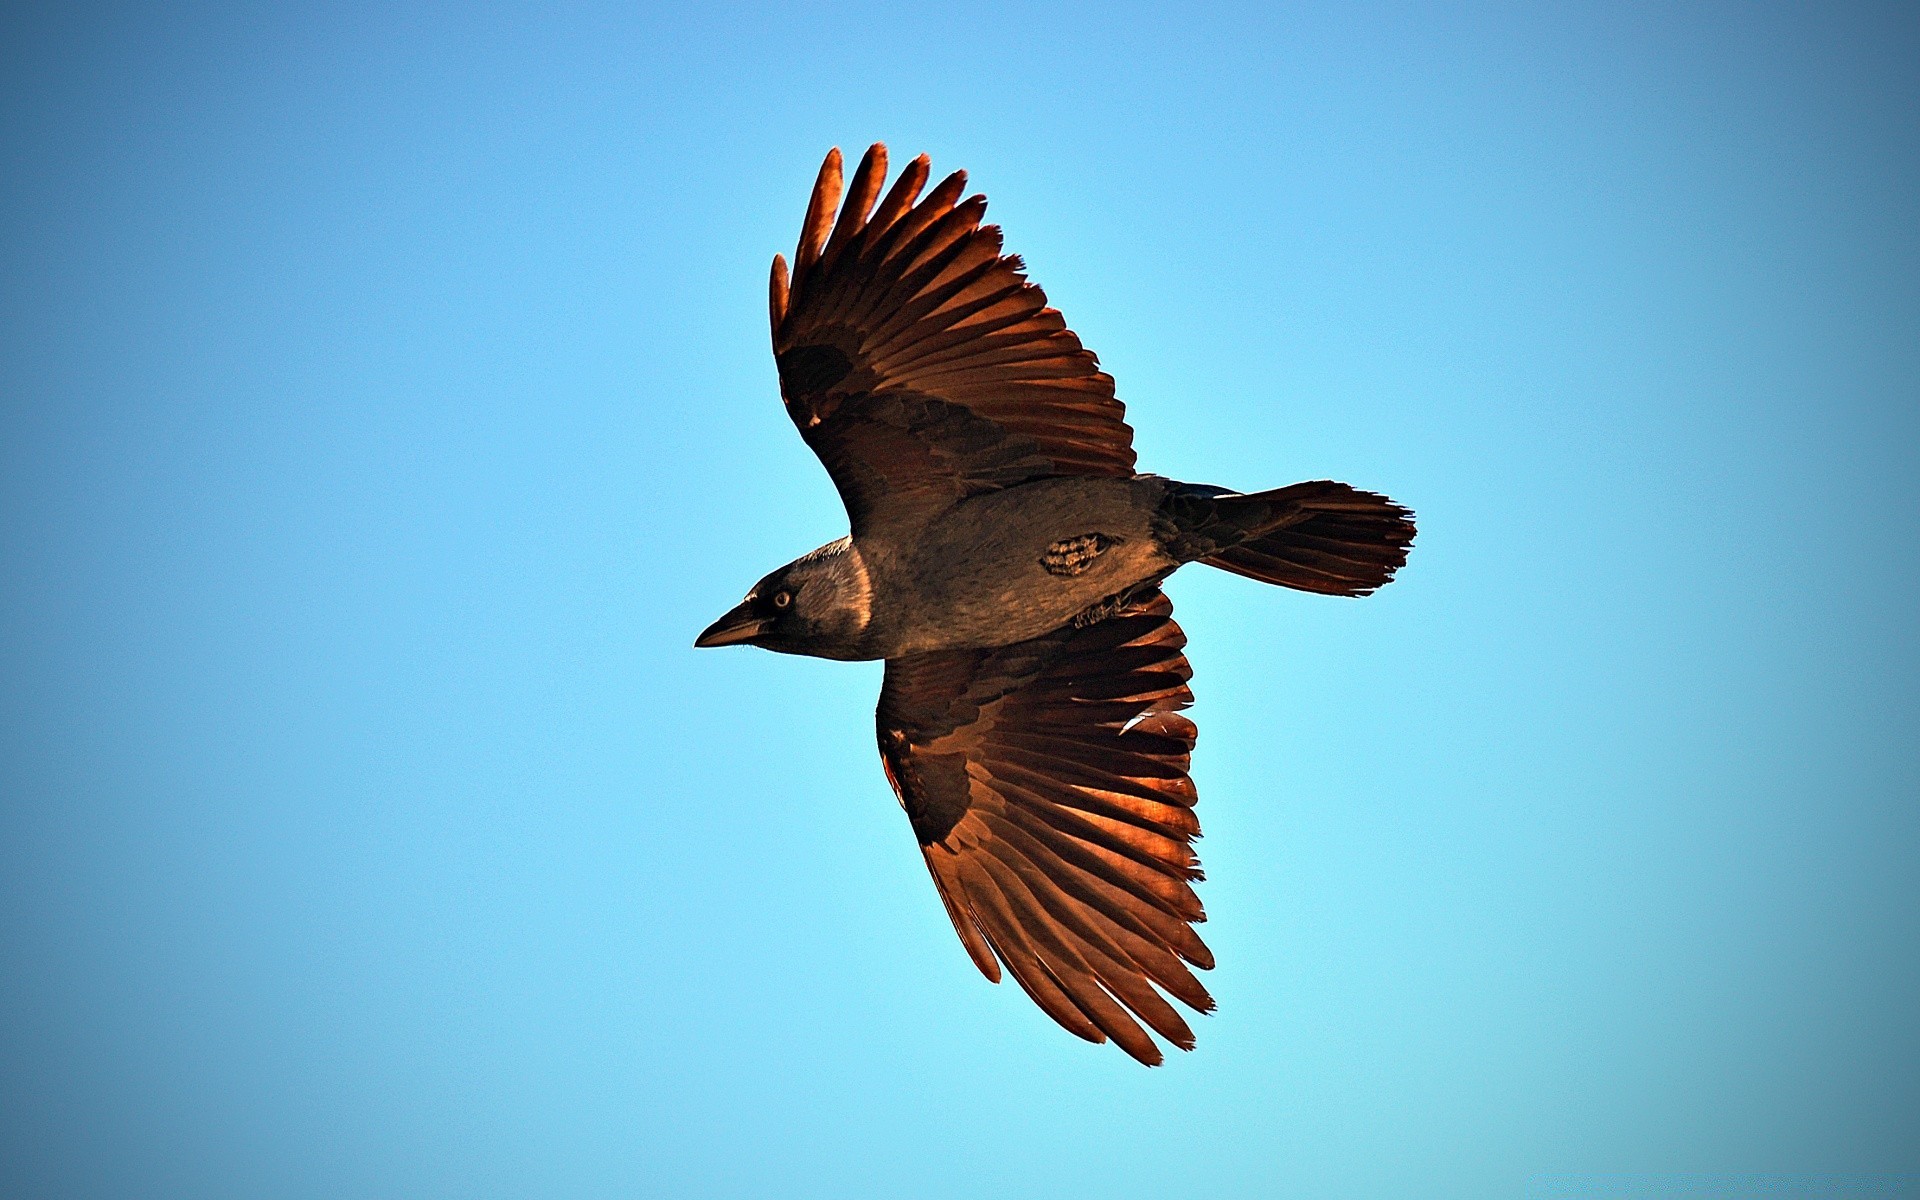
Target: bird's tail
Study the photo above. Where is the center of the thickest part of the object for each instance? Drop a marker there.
(1319, 537)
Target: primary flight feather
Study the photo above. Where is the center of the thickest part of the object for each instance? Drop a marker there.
(1005, 559)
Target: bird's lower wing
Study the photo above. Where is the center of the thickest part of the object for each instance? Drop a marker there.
(1047, 785)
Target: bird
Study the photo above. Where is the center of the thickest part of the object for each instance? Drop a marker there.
(1005, 559)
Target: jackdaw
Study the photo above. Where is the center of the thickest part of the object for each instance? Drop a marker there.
(1005, 560)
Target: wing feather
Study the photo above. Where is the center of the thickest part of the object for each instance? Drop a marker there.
(1118, 938)
(1015, 948)
(819, 218)
(967, 927)
(860, 197)
(901, 196)
(1067, 960)
(778, 289)
(1046, 782)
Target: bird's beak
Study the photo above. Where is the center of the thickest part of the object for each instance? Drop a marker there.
(739, 625)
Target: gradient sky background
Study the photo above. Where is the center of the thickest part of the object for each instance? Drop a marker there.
(385, 402)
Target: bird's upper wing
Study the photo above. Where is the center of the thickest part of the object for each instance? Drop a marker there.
(919, 363)
(1047, 784)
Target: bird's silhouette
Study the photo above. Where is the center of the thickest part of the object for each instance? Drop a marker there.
(1005, 559)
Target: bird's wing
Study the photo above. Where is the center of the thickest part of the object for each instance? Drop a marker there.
(1047, 784)
(919, 363)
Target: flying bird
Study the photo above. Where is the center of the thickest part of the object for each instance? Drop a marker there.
(1005, 559)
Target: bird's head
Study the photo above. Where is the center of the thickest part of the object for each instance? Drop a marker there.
(816, 605)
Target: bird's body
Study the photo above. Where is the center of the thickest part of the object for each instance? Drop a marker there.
(996, 568)
(1007, 566)
(1005, 560)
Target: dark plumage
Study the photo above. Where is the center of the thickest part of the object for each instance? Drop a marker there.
(1005, 560)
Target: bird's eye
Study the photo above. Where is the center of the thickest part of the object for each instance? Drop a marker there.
(782, 598)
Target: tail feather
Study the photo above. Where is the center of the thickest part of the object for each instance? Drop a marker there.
(1322, 536)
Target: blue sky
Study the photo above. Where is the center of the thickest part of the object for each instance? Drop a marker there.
(385, 403)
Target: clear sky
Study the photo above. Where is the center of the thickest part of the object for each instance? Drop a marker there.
(385, 403)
